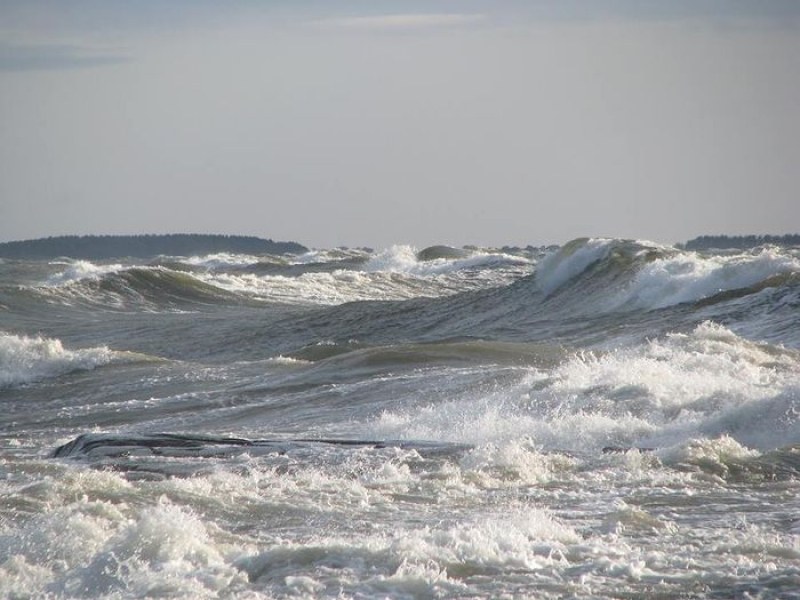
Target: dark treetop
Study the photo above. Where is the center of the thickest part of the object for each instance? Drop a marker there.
(742, 242)
(114, 246)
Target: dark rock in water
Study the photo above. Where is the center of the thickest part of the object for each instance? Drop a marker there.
(103, 445)
(165, 455)
(623, 449)
(96, 444)
(434, 252)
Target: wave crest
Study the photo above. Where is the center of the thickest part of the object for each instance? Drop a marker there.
(29, 359)
(608, 275)
(119, 287)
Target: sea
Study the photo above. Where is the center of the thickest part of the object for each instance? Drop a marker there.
(606, 418)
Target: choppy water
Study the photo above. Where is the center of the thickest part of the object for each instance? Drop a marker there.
(607, 419)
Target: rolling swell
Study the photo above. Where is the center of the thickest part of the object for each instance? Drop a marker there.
(595, 293)
(591, 292)
(453, 352)
(594, 276)
(163, 286)
(151, 288)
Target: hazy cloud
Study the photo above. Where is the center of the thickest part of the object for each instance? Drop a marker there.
(401, 21)
(439, 122)
(26, 57)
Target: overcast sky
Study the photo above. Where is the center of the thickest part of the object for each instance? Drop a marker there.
(379, 122)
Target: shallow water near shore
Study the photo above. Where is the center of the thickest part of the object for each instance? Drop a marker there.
(606, 419)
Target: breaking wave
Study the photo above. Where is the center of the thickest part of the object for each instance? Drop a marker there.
(439, 260)
(29, 359)
(138, 287)
(646, 276)
(665, 393)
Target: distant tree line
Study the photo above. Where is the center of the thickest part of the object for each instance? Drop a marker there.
(141, 246)
(742, 242)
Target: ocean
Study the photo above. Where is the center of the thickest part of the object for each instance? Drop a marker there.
(602, 419)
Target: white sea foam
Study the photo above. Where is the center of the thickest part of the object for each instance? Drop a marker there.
(333, 288)
(689, 276)
(530, 539)
(685, 386)
(328, 255)
(532, 508)
(287, 360)
(27, 359)
(371, 525)
(393, 275)
(662, 276)
(716, 450)
(222, 260)
(705, 383)
(91, 548)
(81, 270)
(396, 259)
(418, 560)
(403, 259)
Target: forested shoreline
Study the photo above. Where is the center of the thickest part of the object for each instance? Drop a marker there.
(116, 246)
(741, 242)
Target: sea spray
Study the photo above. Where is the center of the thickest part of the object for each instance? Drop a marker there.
(26, 359)
(80, 270)
(688, 277)
(612, 418)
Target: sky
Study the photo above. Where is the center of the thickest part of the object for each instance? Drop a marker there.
(381, 122)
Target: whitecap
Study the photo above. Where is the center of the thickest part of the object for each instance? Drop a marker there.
(28, 359)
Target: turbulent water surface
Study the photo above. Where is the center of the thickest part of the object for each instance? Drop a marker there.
(606, 419)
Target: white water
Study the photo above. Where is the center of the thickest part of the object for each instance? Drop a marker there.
(394, 274)
(27, 359)
(688, 276)
(222, 260)
(532, 508)
(80, 270)
(669, 279)
(667, 392)
(403, 259)
(504, 520)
